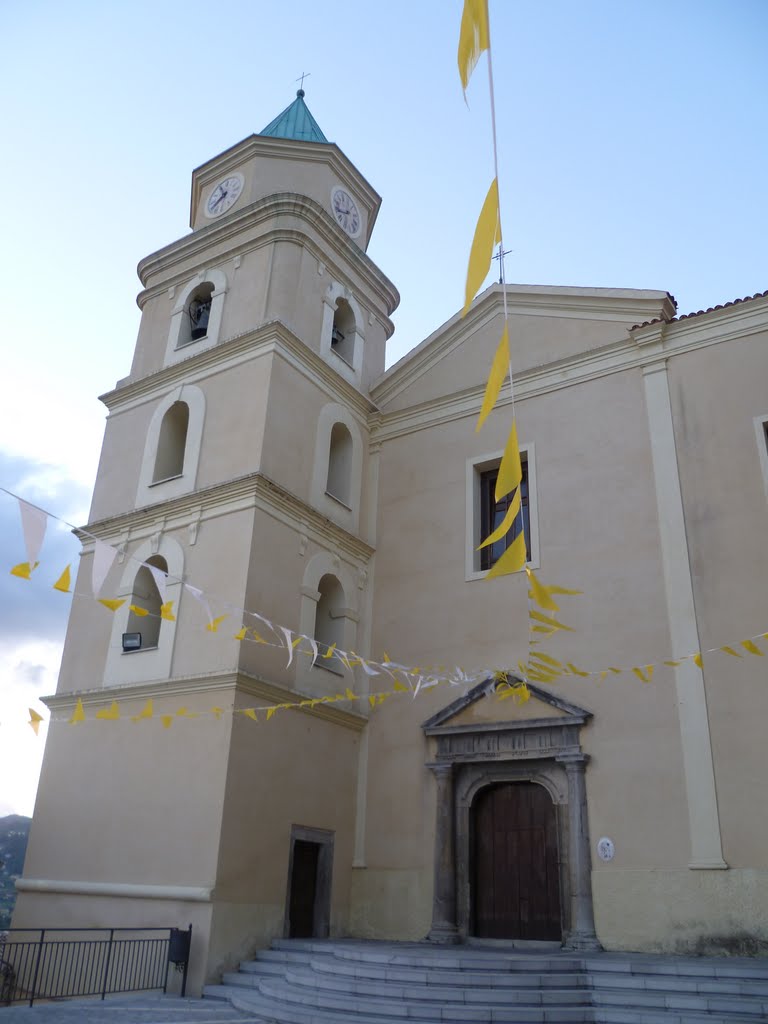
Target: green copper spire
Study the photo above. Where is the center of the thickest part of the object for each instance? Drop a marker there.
(295, 122)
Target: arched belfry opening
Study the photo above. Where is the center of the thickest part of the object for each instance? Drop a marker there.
(329, 621)
(197, 314)
(343, 332)
(146, 602)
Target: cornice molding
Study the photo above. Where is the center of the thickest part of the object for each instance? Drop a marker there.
(172, 259)
(236, 682)
(609, 304)
(272, 337)
(252, 491)
(128, 890)
(676, 339)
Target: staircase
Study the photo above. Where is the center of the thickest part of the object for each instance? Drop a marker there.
(353, 982)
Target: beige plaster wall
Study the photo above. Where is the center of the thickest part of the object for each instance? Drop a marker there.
(716, 394)
(272, 784)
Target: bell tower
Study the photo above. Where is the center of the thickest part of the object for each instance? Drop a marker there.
(237, 489)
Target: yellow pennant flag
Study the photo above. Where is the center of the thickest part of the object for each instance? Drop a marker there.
(166, 612)
(752, 648)
(240, 634)
(509, 518)
(110, 714)
(186, 713)
(616, 671)
(672, 663)
(217, 713)
(250, 713)
(259, 638)
(539, 592)
(547, 621)
(372, 700)
(496, 378)
(400, 687)
(697, 660)
(167, 721)
(141, 612)
(329, 652)
(513, 559)
(34, 721)
(487, 234)
(112, 603)
(146, 712)
(64, 581)
(576, 671)
(271, 711)
(349, 695)
(549, 630)
(548, 659)
(213, 625)
(552, 588)
(511, 470)
(474, 38)
(24, 570)
(644, 675)
(78, 715)
(730, 650)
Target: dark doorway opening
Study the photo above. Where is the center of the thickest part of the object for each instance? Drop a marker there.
(515, 863)
(301, 912)
(308, 906)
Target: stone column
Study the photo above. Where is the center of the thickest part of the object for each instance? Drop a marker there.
(444, 895)
(582, 931)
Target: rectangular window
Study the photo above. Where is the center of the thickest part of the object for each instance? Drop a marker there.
(492, 514)
(484, 514)
(761, 430)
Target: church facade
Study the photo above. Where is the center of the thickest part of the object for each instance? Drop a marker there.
(259, 454)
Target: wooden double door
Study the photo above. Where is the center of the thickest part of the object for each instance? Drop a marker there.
(515, 879)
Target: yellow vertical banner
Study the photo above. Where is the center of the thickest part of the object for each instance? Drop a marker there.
(496, 378)
(487, 234)
(474, 38)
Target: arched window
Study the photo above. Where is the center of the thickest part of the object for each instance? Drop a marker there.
(171, 443)
(329, 622)
(146, 597)
(340, 464)
(343, 332)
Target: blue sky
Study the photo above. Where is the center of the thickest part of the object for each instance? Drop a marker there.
(632, 149)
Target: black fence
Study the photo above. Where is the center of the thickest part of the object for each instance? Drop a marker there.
(62, 963)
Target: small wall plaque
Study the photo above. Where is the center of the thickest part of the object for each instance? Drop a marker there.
(605, 848)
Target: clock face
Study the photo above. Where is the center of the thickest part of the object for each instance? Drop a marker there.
(224, 195)
(346, 212)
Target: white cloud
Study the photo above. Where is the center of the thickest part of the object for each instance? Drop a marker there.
(28, 671)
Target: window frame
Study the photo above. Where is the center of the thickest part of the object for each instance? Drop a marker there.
(476, 465)
(761, 432)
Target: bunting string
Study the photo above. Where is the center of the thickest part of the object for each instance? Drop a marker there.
(545, 621)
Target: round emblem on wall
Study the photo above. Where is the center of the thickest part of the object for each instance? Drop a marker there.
(605, 848)
(345, 211)
(224, 195)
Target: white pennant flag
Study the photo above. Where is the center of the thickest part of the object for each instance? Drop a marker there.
(288, 643)
(313, 645)
(198, 596)
(160, 580)
(368, 670)
(103, 557)
(33, 523)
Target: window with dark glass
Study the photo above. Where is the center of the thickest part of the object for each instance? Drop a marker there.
(492, 514)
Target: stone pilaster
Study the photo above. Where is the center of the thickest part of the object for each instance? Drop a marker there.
(444, 927)
(582, 931)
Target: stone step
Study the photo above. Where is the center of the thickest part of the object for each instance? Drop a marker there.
(274, 1010)
(352, 982)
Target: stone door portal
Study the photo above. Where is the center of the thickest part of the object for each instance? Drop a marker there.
(515, 872)
(308, 899)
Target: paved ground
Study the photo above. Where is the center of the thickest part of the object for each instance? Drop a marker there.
(127, 1010)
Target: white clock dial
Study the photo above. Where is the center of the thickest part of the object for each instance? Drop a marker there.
(346, 212)
(224, 195)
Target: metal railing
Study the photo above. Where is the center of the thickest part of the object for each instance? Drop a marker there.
(63, 963)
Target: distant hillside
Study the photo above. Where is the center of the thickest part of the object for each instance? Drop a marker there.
(14, 832)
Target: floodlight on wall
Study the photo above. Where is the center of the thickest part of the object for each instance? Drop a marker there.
(131, 641)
